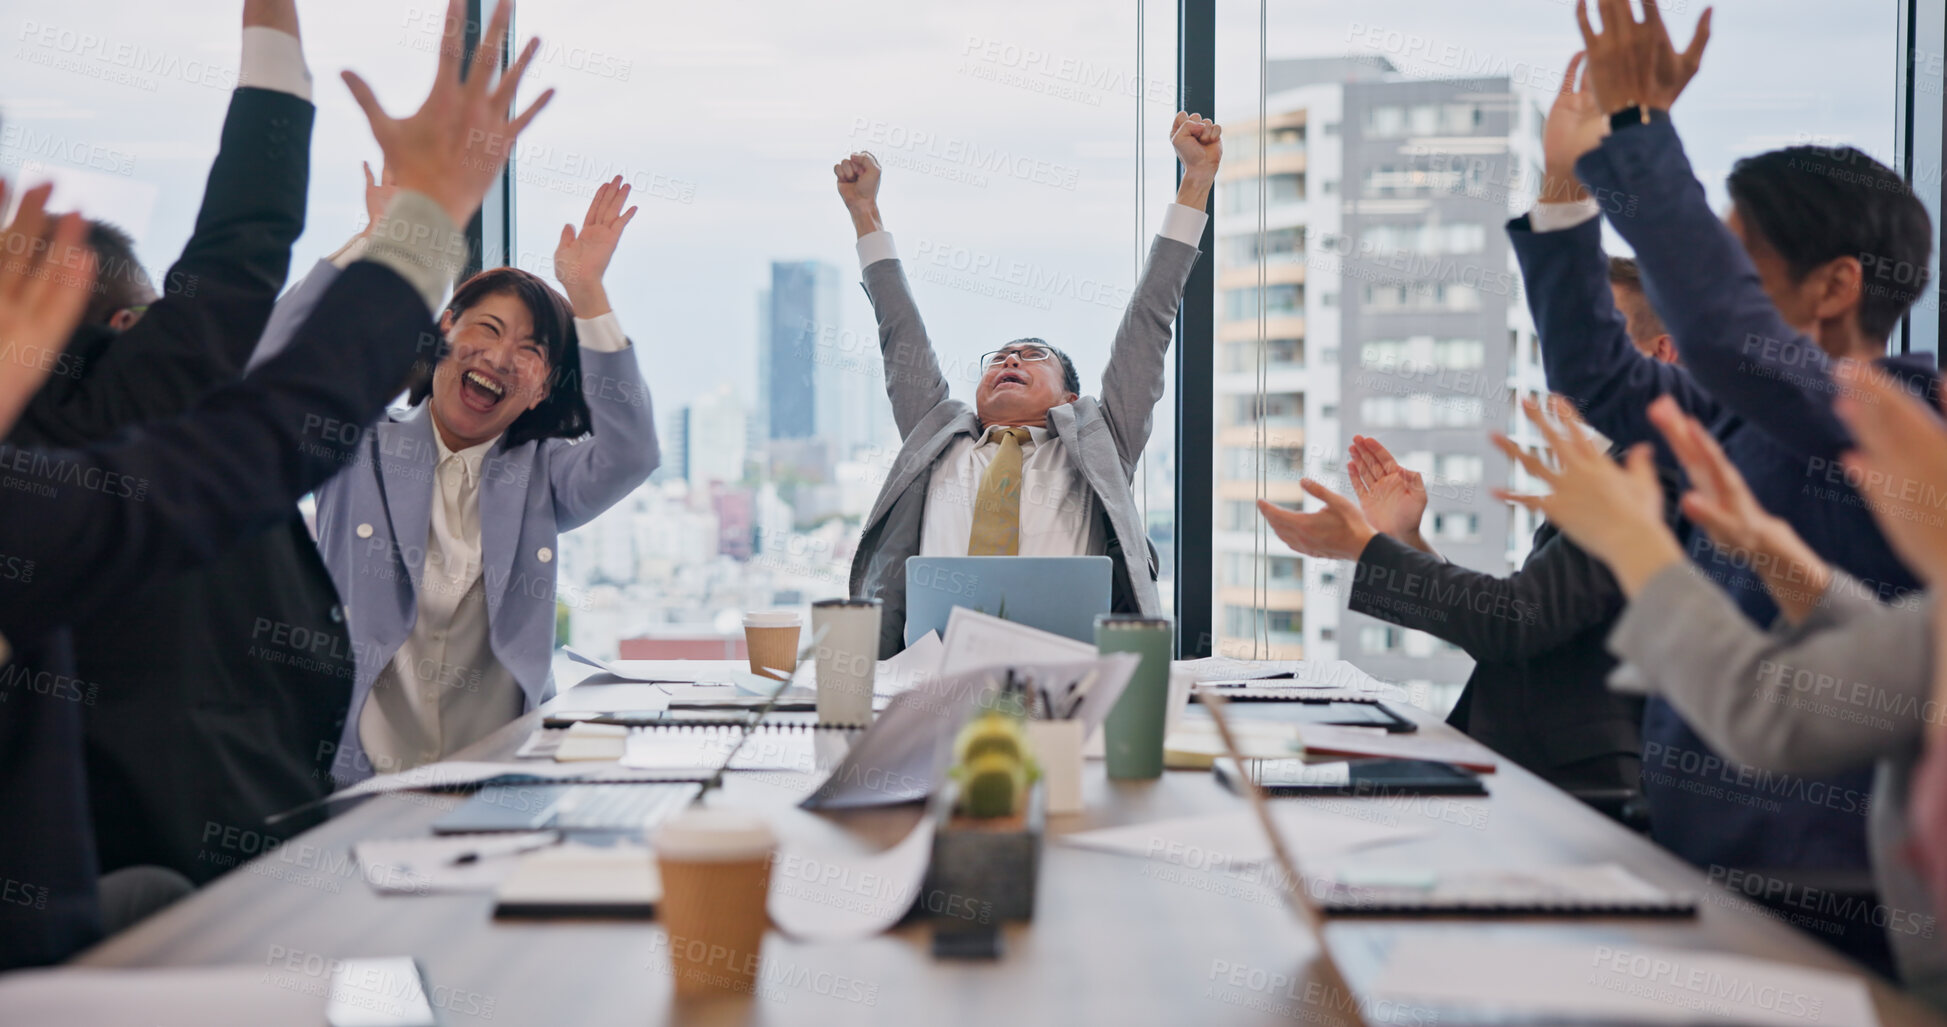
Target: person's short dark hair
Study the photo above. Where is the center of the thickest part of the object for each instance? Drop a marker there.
(120, 280)
(1643, 322)
(1070, 381)
(1812, 205)
(564, 413)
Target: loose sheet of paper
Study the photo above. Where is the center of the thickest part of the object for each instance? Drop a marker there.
(1554, 982)
(903, 757)
(820, 896)
(975, 640)
(1326, 740)
(420, 866)
(915, 664)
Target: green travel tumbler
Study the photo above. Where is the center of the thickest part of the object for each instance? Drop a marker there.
(1133, 734)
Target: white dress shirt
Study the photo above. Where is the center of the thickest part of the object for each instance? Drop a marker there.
(1057, 508)
(445, 689)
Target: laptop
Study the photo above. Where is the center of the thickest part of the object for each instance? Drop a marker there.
(1058, 594)
(617, 810)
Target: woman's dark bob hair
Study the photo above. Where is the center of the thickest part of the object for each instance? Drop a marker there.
(564, 413)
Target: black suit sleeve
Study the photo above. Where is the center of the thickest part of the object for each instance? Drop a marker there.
(79, 527)
(1559, 593)
(214, 301)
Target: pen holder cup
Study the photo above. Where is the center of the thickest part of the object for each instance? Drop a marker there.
(983, 871)
(1057, 748)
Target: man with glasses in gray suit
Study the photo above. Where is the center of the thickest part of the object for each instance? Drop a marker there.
(1032, 468)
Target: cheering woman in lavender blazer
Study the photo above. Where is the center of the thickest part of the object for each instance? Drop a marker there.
(441, 535)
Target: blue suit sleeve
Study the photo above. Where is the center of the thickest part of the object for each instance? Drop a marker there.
(1585, 347)
(1728, 334)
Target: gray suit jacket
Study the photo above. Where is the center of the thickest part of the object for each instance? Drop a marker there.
(1105, 436)
(374, 515)
(1851, 685)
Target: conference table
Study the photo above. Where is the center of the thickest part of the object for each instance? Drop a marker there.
(1115, 939)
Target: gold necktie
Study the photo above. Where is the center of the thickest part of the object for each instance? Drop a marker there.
(997, 505)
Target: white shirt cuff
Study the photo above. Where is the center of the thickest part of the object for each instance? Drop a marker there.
(274, 59)
(1184, 224)
(602, 334)
(350, 253)
(875, 247)
(1556, 217)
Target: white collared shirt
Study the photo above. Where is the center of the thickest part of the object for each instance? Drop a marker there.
(444, 689)
(1057, 508)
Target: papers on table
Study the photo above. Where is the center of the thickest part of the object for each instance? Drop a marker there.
(1316, 830)
(975, 640)
(1600, 889)
(582, 880)
(1337, 741)
(914, 664)
(767, 748)
(420, 866)
(1555, 981)
(1195, 744)
(824, 896)
(222, 996)
(903, 756)
(587, 742)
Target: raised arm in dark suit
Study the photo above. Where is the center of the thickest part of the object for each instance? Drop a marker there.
(115, 516)
(1585, 347)
(214, 300)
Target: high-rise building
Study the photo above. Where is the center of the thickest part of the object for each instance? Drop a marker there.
(1387, 304)
(803, 298)
(713, 443)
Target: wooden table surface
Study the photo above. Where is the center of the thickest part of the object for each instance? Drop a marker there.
(1115, 939)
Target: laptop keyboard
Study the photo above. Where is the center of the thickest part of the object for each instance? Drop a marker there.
(619, 807)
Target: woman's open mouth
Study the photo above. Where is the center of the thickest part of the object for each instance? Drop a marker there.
(481, 392)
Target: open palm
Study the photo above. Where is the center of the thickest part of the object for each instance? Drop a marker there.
(1392, 497)
(581, 258)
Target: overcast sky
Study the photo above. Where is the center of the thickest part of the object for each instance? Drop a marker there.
(1011, 126)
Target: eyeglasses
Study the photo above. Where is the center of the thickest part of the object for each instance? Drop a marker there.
(1026, 354)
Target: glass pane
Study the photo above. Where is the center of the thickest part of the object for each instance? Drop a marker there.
(121, 104)
(1406, 134)
(1011, 148)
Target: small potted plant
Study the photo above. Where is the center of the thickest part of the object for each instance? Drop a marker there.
(990, 819)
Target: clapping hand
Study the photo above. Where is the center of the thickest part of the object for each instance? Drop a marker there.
(1338, 532)
(47, 273)
(580, 260)
(1634, 63)
(1614, 512)
(453, 147)
(1392, 497)
(1898, 465)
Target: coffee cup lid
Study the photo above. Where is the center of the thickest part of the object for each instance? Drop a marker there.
(771, 619)
(714, 835)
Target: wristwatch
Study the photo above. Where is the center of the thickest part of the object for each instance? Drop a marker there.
(1634, 114)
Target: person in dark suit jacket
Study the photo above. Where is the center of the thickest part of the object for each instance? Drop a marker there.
(86, 525)
(1538, 693)
(213, 692)
(1821, 253)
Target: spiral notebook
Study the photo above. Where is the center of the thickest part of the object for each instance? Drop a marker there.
(1602, 889)
(794, 747)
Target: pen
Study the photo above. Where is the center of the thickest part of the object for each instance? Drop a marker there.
(476, 855)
